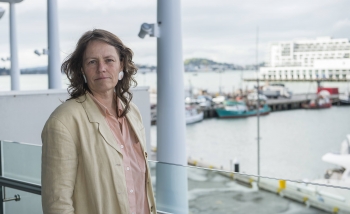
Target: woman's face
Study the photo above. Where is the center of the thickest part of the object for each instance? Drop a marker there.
(101, 66)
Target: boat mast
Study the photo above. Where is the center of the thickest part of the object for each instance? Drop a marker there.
(258, 101)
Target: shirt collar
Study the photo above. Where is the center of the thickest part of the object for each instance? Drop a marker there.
(104, 110)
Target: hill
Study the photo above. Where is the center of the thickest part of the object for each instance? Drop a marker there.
(201, 64)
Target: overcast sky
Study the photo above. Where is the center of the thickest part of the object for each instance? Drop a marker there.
(221, 30)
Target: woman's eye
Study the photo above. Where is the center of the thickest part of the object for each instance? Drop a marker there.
(110, 60)
(91, 62)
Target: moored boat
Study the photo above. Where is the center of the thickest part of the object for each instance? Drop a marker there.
(345, 99)
(238, 109)
(193, 115)
(317, 105)
(322, 101)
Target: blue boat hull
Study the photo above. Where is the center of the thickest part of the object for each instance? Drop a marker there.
(223, 113)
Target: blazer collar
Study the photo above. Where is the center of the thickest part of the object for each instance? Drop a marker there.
(95, 116)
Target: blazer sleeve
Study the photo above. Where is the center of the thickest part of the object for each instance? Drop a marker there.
(59, 168)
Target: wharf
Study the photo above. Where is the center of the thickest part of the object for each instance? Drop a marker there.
(280, 104)
(296, 101)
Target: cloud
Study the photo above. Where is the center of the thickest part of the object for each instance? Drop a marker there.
(344, 23)
(221, 30)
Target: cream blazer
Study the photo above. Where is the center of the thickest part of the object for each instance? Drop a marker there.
(82, 167)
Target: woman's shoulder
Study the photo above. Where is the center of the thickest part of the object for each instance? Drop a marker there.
(69, 108)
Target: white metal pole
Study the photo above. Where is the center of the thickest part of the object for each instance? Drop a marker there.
(15, 72)
(171, 185)
(54, 70)
(258, 103)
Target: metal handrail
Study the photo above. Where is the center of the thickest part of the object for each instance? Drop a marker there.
(20, 185)
(32, 188)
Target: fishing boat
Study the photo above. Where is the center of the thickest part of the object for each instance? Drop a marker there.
(239, 109)
(322, 101)
(317, 104)
(193, 115)
(344, 99)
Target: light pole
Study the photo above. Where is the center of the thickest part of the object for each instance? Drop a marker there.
(15, 72)
(54, 68)
(171, 185)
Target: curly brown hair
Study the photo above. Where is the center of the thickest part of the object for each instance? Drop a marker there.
(74, 62)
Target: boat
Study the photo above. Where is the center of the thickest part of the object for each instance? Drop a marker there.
(339, 176)
(239, 109)
(345, 99)
(322, 101)
(317, 104)
(193, 115)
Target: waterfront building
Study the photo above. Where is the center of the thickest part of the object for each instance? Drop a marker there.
(308, 59)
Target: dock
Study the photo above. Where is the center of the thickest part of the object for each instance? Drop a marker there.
(280, 104)
(296, 101)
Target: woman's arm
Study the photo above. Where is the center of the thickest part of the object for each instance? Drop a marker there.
(59, 168)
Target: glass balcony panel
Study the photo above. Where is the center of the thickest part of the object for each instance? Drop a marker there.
(21, 161)
(29, 203)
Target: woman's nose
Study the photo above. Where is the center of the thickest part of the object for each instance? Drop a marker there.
(101, 66)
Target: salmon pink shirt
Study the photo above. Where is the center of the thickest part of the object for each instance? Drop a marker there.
(133, 159)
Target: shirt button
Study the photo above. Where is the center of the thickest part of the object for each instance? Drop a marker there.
(122, 146)
(131, 191)
(127, 168)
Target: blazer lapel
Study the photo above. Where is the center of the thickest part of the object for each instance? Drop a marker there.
(95, 116)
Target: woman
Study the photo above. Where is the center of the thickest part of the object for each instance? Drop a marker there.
(93, 158)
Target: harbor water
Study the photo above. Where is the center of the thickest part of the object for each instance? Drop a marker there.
(292, 142)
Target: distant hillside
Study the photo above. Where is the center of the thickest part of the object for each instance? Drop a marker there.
(201, 64)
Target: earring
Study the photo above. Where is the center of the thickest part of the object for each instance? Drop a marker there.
(84, 78)
(121, 75)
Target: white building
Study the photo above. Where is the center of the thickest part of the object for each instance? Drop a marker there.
(320, 58)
